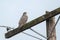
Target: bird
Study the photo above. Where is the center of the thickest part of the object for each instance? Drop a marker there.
(23, 20)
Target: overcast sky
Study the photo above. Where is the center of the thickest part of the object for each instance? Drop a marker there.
(12, 10)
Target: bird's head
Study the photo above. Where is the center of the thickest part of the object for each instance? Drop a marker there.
(24, 13)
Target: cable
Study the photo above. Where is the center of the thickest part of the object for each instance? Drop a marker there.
(22, 32)
(31, 35)
(26, 33)
(6, 27)
(38, 33)
(54, 27)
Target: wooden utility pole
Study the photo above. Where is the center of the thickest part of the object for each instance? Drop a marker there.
(32, 23)
(51, 35)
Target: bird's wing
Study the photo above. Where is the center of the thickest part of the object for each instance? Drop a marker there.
(23, 20)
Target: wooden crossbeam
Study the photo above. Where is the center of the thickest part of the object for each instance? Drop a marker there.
(32, 23)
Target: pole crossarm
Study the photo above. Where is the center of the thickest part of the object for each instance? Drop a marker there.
(32, 23)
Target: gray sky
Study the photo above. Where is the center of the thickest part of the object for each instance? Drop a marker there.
(12, 10)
